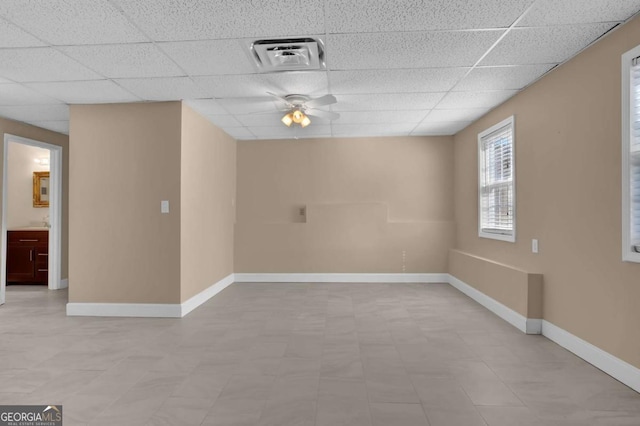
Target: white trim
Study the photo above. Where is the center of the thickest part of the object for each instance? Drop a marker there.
(64, 283)
(522, 323)
(613, 366)
(3, 226)
(628, 255)
(124, 310)
(206, 294)
(156, 310)
(509, 237)
(55, 212)
(341, 278)
(55, 219)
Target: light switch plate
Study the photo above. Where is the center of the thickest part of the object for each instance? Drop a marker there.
(164, 206)
(534, 245)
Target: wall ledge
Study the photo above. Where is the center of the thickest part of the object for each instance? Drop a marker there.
(340, 278)
(486, 259)
(522, 323)
(149, 310)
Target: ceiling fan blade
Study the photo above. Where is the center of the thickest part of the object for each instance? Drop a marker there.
(280, 98)
(321, 101)
(323, 114)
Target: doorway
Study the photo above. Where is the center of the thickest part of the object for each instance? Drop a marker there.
(55, 213)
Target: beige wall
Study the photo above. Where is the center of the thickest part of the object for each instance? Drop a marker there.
(208, 190)
(367, 201)
(20, 210)
(568, 165)
(31, 132)
(126, 160)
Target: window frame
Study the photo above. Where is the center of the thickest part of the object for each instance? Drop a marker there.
(628, 255)
(508, 237)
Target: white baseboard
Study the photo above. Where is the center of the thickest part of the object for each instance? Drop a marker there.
(64, 283)
(341, 278)
(613, 366)
(522, 323)
(206, 294)
(156, 310)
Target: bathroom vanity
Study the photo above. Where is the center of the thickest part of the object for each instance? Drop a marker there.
(28, 256)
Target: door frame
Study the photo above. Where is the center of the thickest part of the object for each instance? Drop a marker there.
(55, 212)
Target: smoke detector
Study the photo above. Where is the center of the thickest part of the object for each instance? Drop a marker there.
(292, 54)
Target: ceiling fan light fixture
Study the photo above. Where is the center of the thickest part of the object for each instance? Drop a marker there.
(305, 121)
(287, 119)
(298, 116)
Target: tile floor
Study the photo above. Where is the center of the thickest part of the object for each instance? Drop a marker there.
(301, 354)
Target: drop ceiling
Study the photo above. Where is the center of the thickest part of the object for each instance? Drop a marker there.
(403, 67)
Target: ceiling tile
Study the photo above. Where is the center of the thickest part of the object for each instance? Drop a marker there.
(348, 16)
(544, 44)
(501, 78)
(311, 83)
(224, 120)
(359, 130)
(125, 60)
(56, 126)
(171, 20)
(387, 101)
(206, 106)
(212, 57)
(475, 99)
(239, 133)
(439, 128)
(85, 92)
(466, 114)
(297, 132)
(381, 117)
(162, 89)
(13, 36)
(259, 104)
(67, 22)
(36, 112)
(395, 81)
(408, 50)
(41, 64)
(557, 12)
(17, 94)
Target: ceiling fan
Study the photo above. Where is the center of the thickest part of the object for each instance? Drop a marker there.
(299, 108)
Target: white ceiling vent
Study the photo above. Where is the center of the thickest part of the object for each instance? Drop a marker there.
(296, 54)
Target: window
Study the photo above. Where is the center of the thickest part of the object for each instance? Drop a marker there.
(496, 198)
(631, 155)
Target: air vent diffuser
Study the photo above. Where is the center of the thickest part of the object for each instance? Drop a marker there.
(298, 54)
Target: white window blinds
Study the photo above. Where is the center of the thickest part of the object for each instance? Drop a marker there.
(631, 155)
(496, 192)
(634, 155)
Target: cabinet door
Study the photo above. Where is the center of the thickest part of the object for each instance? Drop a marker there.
(20, 263)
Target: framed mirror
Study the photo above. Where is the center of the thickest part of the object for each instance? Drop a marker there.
(40, 189)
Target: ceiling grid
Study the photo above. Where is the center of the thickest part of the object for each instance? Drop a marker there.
(406, 67)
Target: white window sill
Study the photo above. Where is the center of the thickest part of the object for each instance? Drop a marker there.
(500, 237)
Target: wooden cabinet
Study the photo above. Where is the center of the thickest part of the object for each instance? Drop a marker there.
(28, 257)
